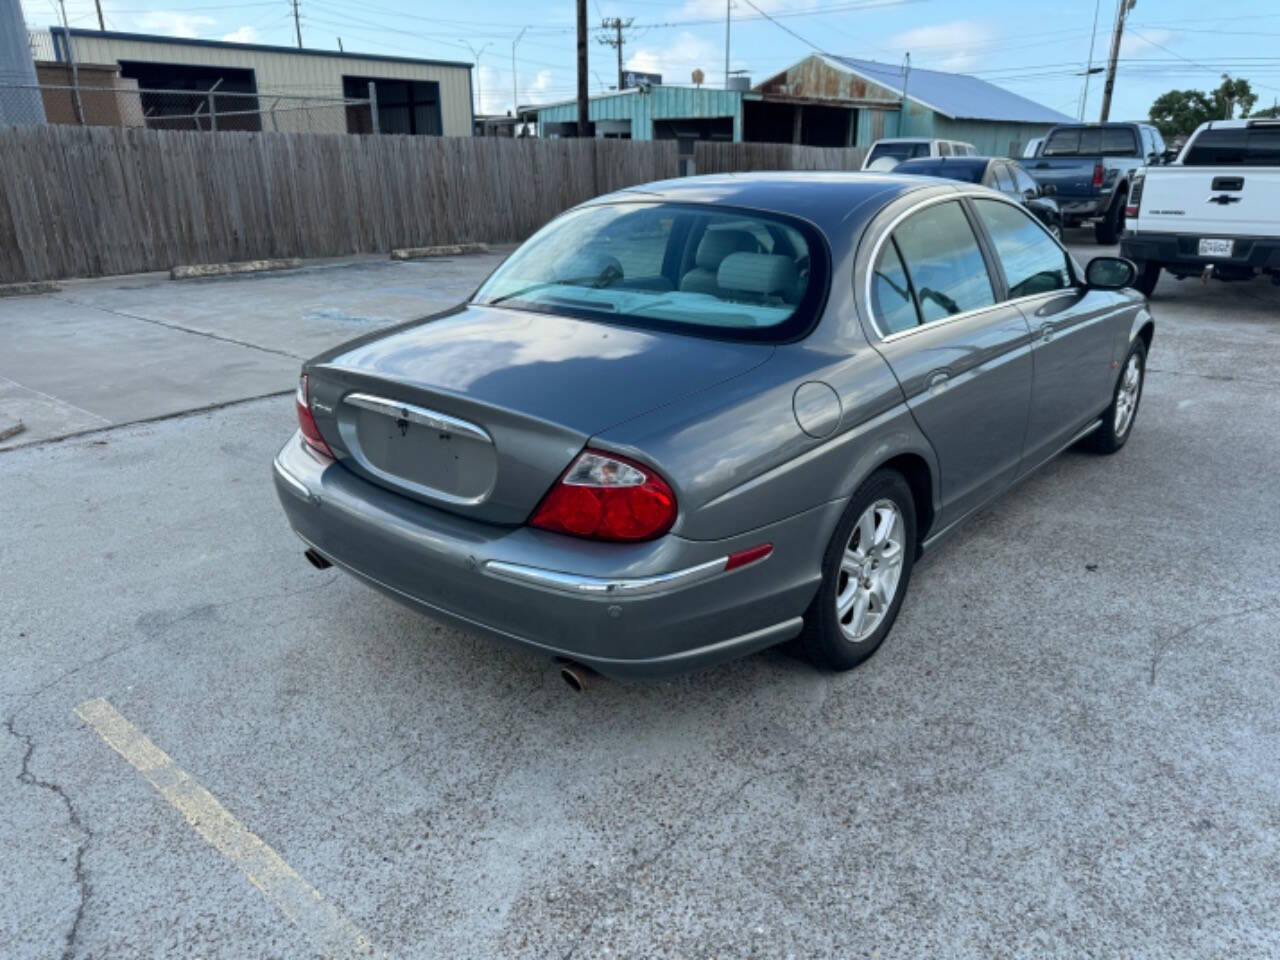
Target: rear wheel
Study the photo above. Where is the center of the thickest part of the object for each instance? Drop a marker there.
(865, 572)
(1107, 230)
(1148, 277)
(1117, 422)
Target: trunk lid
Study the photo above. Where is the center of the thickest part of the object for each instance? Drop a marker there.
(480, 410)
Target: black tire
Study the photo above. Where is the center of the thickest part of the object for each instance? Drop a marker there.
(1107, 230)
(822, 640)
(1148, 277)
(1107, 439)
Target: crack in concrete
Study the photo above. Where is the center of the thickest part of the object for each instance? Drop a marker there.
(1216, 377)
(180, 328)
(158, 418)
(27, 778)
(1161, 646)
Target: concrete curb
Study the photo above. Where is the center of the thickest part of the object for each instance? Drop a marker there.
(192, 271)
(445, 250)
(28, 289)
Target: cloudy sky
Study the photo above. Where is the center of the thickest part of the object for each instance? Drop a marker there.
(1035, 48)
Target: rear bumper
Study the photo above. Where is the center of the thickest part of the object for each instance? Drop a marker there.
(625, 609)
(1181, 250)
(1074, 209)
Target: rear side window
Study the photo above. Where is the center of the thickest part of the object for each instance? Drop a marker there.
(1239, 146)
(944, 149)
(944, 262)
(1032, 262)
(891, 299)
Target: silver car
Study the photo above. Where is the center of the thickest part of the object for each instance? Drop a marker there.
(697, 418)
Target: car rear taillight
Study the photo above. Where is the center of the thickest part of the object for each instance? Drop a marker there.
(1097, 174)
(603, 496)
(1135, 198)
(306, 422)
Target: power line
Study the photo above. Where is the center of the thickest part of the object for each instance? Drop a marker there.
(783, 26)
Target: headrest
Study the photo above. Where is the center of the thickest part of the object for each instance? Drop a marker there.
(718, 244)
(760, 273)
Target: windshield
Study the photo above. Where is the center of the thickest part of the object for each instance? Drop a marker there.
(1091, 142)
(903, 150)
(693, 268)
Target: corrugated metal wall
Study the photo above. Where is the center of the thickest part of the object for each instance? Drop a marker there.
(990, 137)
(660, 103)
(294, 75)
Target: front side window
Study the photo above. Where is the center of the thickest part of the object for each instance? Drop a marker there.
(1004, 180)
(1032, 262)
(691, 268)
(941, 255)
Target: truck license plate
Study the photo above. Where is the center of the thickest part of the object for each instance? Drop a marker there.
(1215, 248)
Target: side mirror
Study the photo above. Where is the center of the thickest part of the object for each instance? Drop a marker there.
(1110, 273)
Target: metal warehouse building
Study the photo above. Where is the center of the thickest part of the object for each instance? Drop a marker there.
(251, 86)
(820, 101)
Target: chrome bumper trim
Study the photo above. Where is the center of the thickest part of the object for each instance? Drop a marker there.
(580, 585)
(298, 486)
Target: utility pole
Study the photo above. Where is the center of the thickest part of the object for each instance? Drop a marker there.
(1122, 9)
(479, 89)
(515, 86)
(97, 5)
(297, 24)
(75, 70)
(902, 112)
(1088, 71)
(583, 117)
(617, 24)
(728, 18)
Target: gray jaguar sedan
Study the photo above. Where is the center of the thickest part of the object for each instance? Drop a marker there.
(696, 418)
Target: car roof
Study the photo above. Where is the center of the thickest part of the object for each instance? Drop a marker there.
(830, 199)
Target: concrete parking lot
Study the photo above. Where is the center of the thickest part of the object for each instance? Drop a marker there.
(1069, 746)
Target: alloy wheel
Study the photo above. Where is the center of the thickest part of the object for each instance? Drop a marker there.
(1127, 395)
(870, 570)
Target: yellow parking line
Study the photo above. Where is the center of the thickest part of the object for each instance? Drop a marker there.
(319, 920)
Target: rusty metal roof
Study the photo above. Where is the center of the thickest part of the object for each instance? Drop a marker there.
(954, 95)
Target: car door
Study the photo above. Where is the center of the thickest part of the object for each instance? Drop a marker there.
(1073, 345)
(962, 357)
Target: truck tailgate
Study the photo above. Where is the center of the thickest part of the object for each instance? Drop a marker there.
(1071, 177)
(1226, 201)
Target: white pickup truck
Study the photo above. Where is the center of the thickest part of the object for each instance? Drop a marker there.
(1212, 212)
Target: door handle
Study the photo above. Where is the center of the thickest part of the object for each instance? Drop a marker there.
(1046, 332)
(937, 381)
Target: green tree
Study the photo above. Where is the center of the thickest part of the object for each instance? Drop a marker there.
(1181, 111)
(1271, 111)
(1233, 93)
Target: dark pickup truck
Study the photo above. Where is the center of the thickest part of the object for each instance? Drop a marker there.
(1087, 167)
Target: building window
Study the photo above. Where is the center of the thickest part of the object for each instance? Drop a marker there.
(404, 106)
(177, 96)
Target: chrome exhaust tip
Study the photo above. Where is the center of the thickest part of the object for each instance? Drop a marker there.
(315, 559)
(575, 674)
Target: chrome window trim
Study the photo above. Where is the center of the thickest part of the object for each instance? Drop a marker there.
(887, 232)
(582, 585)
(415, 414)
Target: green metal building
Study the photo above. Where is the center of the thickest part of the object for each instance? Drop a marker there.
(819, 101)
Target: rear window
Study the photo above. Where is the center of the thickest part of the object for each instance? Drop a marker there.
(691, 268)
(1091, 142)
(1240, 146)
(899, 151)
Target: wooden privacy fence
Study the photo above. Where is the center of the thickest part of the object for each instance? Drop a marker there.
(710, 157)
(88, 201)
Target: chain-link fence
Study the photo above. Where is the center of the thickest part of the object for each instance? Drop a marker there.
(124, 104)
